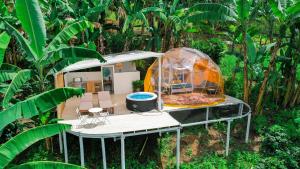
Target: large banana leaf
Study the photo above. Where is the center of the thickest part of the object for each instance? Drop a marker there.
(31, 18)
(13, 147)
(18, 81)
(37, 104)
(243, 9)
(72, 52)
(293, 9)
(195, 17)
(251, 50)
(4, 41)
(9, 67)
(128, 20)
(6, 76)
(68, 33)
(47, 165)
(24, 44)
(93, 13)
(62, 64)
(3, 88)
(214, 7)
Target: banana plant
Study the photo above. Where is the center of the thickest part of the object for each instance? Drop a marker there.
(134, 11)
(4, 75)
(176, 18)
(47, 58)
(10, 149)
(286, 15)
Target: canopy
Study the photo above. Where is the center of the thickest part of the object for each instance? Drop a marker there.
(112, 59)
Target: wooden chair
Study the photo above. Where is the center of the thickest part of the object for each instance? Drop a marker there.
(86, 102)
(105, 101)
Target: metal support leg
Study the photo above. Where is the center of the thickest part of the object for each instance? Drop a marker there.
(60, 143)
(65, 147)
(207, 115)
(248, 128)
(241, 107)
(103, 153)
(178, 149)
(123, 152)
(228, 137)
(81, 151)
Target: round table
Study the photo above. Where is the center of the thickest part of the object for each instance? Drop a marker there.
(95, 110)
(96, 114)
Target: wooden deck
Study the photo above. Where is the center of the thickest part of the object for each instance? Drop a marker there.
(119, 103)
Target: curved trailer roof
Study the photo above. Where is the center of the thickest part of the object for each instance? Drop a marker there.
(112, 59)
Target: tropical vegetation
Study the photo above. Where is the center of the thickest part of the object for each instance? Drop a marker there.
(256, 43)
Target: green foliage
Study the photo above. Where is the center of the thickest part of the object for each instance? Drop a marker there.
(68, 33)
(31, 18)
(243, 159)
(138, 85)
(278, 143)
(230, 68)
(275, 139)
(47, 165)
(19, 79)
(37, 104)
(213, 47)
(260, 123)
(10, 149)
(208, 162)
(4, 41)
(271, 163)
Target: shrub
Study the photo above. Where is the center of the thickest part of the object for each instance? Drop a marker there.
(234, 87)
(210, 161)
(275, 139)
(271, 163)
(213, 47)
(241, 160)
(260, 122)
(277, 143)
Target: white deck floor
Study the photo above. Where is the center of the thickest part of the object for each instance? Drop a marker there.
(126, 123)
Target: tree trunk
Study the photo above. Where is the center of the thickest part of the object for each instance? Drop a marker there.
(296, 96)
(258, 106)
(167, 38)
(246, 87)
(288, 92)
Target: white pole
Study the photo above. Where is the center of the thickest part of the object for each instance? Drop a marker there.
(178, 149)
(159, 84)
(207, 115)
(123, 152)
(60, 143)
(248, 128)
(228, 137)
(65, 147)
(103, 153)
(241, 107)
(81, 151)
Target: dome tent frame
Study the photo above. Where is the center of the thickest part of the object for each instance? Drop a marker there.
(189, 78)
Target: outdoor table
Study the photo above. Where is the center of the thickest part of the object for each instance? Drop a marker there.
(96, 114)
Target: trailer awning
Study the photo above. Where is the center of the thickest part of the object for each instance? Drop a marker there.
(112, 59)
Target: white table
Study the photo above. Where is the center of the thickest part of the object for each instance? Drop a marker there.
(96, 114)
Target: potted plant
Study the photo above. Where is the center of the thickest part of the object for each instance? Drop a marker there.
(138, 85)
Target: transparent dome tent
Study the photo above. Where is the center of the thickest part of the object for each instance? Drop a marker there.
(190, 78)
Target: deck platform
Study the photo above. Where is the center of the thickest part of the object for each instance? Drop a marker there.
(123, 123)
(127, 123)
